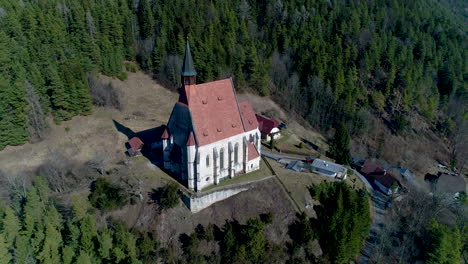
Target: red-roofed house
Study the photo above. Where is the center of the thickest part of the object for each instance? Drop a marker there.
(134, 146)
(377, 175)
(210, 136)
(268, 127)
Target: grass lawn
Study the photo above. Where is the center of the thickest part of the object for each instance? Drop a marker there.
(289, 144)
(254, 175)
(354, 181)
(297, 183)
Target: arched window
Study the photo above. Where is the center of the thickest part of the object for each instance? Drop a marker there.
(207, 160)
(236, 153)
(221, 158)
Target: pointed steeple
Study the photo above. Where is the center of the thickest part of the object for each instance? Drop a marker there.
(188, 69)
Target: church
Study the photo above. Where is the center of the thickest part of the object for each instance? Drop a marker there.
(210, 136)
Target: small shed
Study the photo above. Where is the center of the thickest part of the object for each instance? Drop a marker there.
(134, 146)
(268, 128)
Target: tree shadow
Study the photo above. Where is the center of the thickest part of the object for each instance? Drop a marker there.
(311, 144)
(151, 138)
(123, 129)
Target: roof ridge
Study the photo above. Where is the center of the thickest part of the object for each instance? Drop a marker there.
(237, 103)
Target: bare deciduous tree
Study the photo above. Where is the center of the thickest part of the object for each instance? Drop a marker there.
(37, 125)
(103, 94)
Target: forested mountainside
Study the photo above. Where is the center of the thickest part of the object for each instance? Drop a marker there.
(328, 61)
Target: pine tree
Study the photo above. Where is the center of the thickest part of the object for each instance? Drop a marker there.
(11, 226)
(339, 147)
(5, 256)
(51, 246)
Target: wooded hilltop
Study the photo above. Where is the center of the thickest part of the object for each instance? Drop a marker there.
(326, 61)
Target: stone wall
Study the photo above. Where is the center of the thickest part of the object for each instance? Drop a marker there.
(199, 201)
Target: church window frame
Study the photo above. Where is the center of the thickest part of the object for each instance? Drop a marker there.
(221, 158)
(236, 153)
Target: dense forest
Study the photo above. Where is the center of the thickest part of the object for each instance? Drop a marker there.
(37, 226)
(327, 61)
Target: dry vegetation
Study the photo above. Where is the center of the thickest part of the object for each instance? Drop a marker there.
(78, 151)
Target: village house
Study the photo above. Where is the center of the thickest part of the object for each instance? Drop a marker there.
(329, 169)
(380, 178)
(210, 136)
(452, 184)
(268, 128)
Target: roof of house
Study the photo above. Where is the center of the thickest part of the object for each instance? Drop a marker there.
(450, 183)
(386, 179)
(370, 167)
(328, 166)
(253, 153)
(248, 116)
(191, 140)
(214, 110)
(188, 68)
(266, 124)
(295, 165)
(135, 143)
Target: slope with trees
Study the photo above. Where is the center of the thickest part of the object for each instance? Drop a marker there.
(329, 62)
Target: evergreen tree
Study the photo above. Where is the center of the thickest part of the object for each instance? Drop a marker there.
(339, 147)
(442, 245)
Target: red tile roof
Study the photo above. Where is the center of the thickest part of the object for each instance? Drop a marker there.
(214, 110)
(265, 124)
(372, 168)
(165, 134)
(253, 153)
(386, 180)
(191, 140)
(248, 116)
(135, 143)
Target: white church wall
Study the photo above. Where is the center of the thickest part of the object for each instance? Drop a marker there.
(206, 173)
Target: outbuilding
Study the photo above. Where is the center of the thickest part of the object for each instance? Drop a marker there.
(268, 128)
(134, 146)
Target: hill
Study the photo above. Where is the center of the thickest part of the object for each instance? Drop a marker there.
(327, 62)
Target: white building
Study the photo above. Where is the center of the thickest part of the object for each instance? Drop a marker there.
(329, 169)
(210, 136)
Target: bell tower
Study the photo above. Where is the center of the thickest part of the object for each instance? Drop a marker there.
(189, 75)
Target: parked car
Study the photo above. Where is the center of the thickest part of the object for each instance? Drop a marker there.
(309, 159)
(282, 126)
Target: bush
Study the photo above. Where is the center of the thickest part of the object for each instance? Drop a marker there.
(267, 218)
(401, 124)
(167, 196)
(130, 67)
(122, 76)
(300, 145)
(107, 197)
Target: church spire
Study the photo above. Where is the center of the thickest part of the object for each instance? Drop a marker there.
(188, 69)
